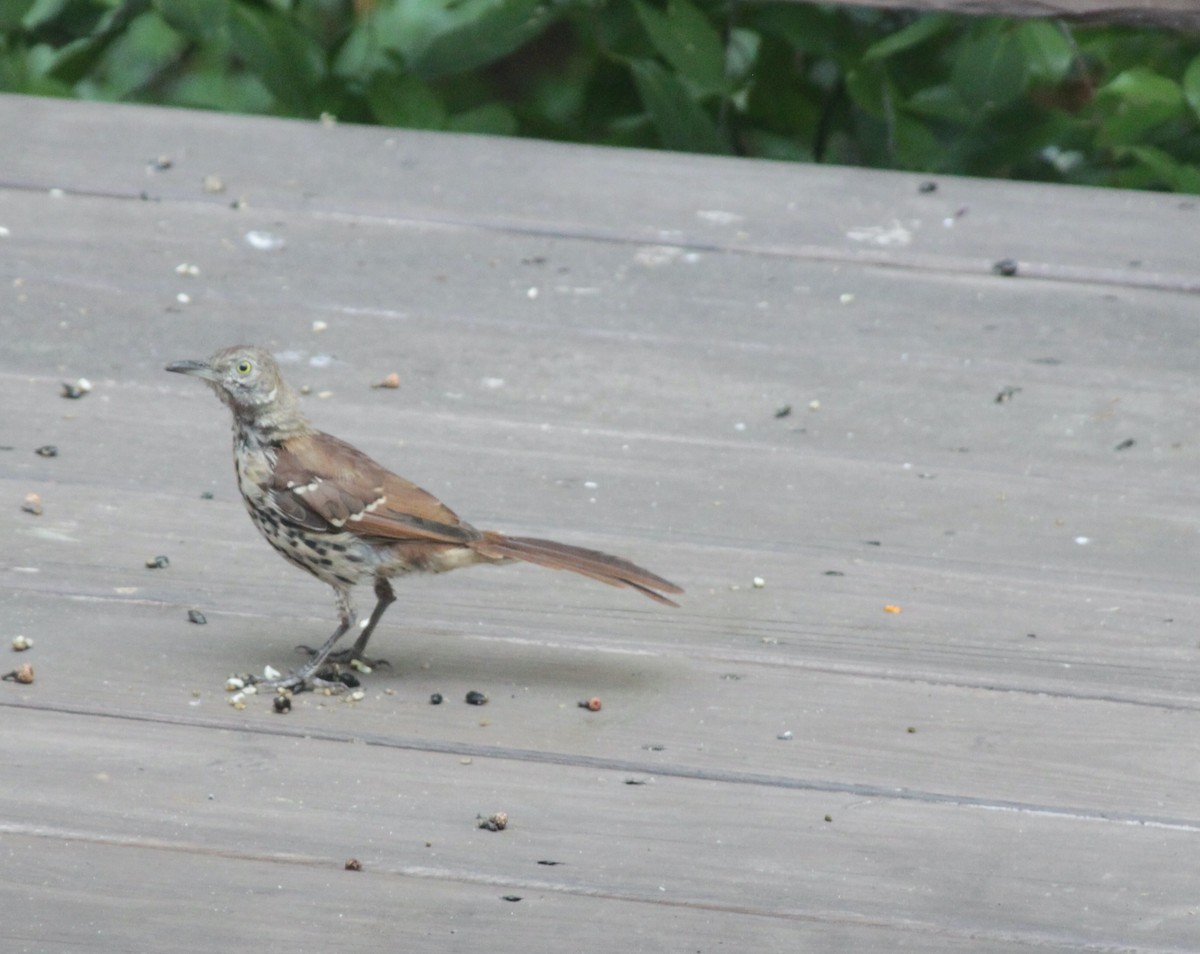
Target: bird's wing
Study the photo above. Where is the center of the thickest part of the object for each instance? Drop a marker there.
(325, 484)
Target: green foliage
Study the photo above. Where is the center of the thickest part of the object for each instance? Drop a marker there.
(1034, 99)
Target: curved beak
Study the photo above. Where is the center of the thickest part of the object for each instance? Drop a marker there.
(197, 369)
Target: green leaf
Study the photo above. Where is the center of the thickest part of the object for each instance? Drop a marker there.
(288, 62)
(491, 119)
(1177, 176)
(404, 100)
(741, 59)
(1191, 85)
(940, 102)
(213, 86)
(12, 12)
(205, 21)
(915, 145)
(686, 40)
(1048, 53)
(920, 30)
(360, 54)
(144, 51)
(441, 37)
(866, 86)
(679, 120)
(1136, 101)
(808, 28)
(989, 70)
(78, 58)
(43, 12)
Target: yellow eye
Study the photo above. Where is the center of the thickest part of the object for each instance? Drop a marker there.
(243, 367)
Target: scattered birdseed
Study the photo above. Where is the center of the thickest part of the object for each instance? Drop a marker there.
(235, 684)
(76, 389)
(270, 672)
(238, 700)
(1007, 393)
(392, 381)
(549, 863)
(22, 674)
(891, 608)
(358, 664)
(356, 696)
(593, 704)
(435, 699)
(195, 616)
(213, 184)
(1124, 445)
(47, 450)
(1006, 267)
(476, 698)
(783, 411)
(207, 495)
(785, 736)
(496, 821)
(510, 897)
(186, 269)
(21, 643)
(926, 187)
(158, 563)
(32, 504)
(161, 163)
(759, 582)
(264, 241)
(353, 864)
(319, 326)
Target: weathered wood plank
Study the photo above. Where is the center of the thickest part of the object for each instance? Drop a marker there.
(584, 356)
(410, 817)
(413, 180)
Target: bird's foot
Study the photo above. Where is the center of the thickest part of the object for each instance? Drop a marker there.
(326, 678)
(348, 657)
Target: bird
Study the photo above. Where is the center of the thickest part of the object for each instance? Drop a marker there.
(330, 509)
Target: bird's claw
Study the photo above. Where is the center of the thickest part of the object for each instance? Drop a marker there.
(348, 657)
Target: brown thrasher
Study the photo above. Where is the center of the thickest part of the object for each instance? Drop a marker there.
(333, 511)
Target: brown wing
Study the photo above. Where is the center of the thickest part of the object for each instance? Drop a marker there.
(325, 484)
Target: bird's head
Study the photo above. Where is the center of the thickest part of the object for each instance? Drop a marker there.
(247, 379)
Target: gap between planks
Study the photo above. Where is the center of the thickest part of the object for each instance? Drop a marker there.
(574, 760)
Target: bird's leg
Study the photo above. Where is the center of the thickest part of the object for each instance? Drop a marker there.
(384, 597)
(306, 676)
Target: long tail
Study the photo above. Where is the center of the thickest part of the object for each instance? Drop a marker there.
(561, 556)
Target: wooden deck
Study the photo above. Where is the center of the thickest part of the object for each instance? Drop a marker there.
(599, 345)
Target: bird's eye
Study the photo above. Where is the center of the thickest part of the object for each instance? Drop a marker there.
(243, 367)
